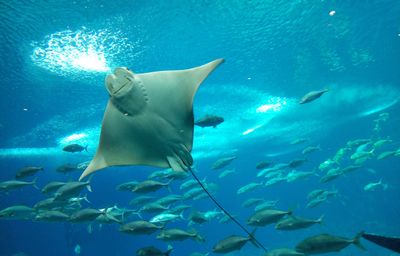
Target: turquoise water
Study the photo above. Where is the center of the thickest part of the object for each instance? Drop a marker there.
(54, 59)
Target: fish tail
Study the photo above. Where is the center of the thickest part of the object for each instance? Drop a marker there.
(85, 148)
(85, 198)
(199, 238)
(356, 241)
(181, 215)
(88, 184)
(321, 219)
(34, 183)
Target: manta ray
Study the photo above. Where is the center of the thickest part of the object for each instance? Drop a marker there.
(149, 118)
(149, 121)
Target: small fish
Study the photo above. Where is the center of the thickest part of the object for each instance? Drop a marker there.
(199, 254)
(326, 243)
(274, 181)
(52, 186)
(190, 184)
(374, 185)
(311, 149)
(170, 199)
(179, 235)
(8, 185)
(249, 187)
(297, 175)
(127, 186)
(350, 168)
(71, 189)
(149, 186)
(332, 174)
(362, 154)
(77, 249)
(153, 251)
(294, 223)
(233, 243)
(139, 227)
(386, 154)
(28, 171)
(326, 164)
(209, 121)
(166, 217)
(51, 216)
(17, 212)
(226, 173)
(315, 193)
(357, 142)
(267, 216)
(73, 148)
(85, 215)
(252, 201)
(141, 200)
(380, 143)
(299, 141)
(311, 96)
(197, 217)
(265, 205)
(153, 208)
(337, 158)
(263, 164)
(284, 252)
(297, 162)
(67, 168)
(222, 162)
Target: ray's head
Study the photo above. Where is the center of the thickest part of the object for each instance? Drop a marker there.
(120, 81)
(126, 91)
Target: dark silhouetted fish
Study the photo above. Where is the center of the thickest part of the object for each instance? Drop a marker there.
(209, 121)
(391, 243)
(75, 148)
(311, 96)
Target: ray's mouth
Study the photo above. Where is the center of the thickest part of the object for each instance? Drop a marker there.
(121, 86)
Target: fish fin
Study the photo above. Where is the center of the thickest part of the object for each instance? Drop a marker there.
(169, 250)
(253, 239)
(356, 241)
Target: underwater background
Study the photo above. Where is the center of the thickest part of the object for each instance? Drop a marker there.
(54, 56)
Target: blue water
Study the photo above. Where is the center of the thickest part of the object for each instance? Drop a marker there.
(55, 56)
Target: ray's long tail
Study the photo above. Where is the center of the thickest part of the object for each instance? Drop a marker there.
(251, 235)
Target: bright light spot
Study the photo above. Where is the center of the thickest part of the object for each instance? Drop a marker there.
(90, 61)
(331, 13)
(25, 109)
(252, 129)
(87, 50)
(274, 104)
(266, 107)
(72, 138)
(249, 78)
